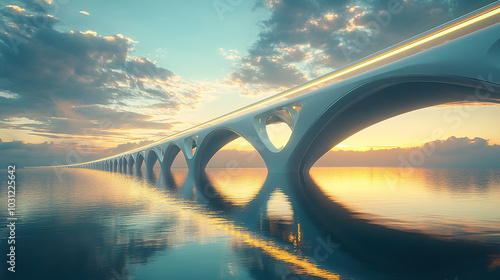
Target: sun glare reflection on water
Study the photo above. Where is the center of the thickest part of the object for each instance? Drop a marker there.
(452, 203)
(96, 222)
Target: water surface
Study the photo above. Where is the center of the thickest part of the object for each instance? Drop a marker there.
(340, 223)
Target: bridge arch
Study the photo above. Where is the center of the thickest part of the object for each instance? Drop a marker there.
(266, 121)
(120, 165)
(190, 146)
(151, 158)
(124, 164)
(139, 160)
(379, 100)
(130, 163)
(213, 142)
(171, 152)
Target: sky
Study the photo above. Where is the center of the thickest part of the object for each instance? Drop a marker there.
(94, 78)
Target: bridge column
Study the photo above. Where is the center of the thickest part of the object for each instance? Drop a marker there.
(139, 161)
(130, 164)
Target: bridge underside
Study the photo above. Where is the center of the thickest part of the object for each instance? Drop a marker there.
(378, 101)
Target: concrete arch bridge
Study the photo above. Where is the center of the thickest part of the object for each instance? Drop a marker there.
(455, 62)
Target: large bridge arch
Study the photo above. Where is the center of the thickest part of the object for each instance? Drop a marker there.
(171, 152)
(131, 163)
(211, 144)
(120, 165)
(115, 165)
(215, 141)
(152, 157)
(139, 160)
(379, 100)
(124, 164)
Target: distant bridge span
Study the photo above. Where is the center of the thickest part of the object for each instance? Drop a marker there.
(458, 61)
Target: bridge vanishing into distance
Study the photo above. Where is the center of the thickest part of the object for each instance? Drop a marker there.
(455, 62)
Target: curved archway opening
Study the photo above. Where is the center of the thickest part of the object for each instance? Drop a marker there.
(124, 165)
(431, 170)
(236, 171)
(179, 161)
(383, 99)
(139, 165)
(279, 134)
(153, 166)
(279, 128)
(130, 165)
(176, 167)
(190, 146)
(120, 165)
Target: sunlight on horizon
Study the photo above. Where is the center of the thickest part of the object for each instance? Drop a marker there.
(411, 129)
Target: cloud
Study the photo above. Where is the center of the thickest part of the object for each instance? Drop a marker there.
(126, 147)
(262, 74)
(303, 39)
(26, 154)
(49, 153)
(67, 82)
(92, 120)
(452, 152)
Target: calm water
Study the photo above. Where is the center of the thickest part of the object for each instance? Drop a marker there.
(339, 223)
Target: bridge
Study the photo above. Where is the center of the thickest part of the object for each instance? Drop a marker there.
(455, 62)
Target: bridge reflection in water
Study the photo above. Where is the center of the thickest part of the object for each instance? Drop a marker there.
(249, 225)
(333, 240)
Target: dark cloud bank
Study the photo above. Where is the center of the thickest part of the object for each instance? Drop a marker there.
(69, 82)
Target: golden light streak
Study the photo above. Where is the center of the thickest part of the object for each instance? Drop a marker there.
(328, 77)
(267, 246)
